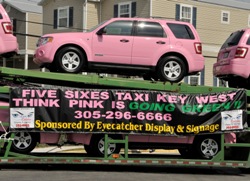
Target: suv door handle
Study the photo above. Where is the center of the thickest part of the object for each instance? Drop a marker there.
(124, 40)
(160, 42)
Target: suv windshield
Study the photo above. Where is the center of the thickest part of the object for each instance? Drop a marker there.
(233, 39)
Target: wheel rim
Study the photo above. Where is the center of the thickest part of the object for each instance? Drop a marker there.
(70, 61)
(22, 140)
(111, 146)
(209, 147)
(172, 70)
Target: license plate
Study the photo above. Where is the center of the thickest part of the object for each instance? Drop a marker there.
(225, 55)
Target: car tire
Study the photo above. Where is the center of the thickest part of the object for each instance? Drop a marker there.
(87, 148)
(70, 60)
(24, 142)
(96, 146)
(207, 146)
(171, 68)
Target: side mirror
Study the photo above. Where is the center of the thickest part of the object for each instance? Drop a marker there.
(101, 31)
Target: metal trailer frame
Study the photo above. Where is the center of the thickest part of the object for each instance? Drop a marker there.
(13, 77)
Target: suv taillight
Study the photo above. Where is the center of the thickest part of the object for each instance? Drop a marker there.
(7, 27)
(198, 48)
(241, 52)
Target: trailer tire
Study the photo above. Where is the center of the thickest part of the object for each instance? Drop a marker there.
(96, 146)
(206, 147)
(24, 142)
(171, 68)
(70, 60)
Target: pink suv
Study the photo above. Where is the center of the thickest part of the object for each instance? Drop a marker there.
(152, 48)
(233, 62)
(8, 42)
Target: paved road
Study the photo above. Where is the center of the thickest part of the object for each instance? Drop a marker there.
(39, 172)
(118, 173)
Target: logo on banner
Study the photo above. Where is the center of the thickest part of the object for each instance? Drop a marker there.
(231, 120)
(22, 117)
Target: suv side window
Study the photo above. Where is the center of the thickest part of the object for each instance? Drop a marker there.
(1, 17)
(248, 41)
(181, 31)
(119, 28)
(151, 29)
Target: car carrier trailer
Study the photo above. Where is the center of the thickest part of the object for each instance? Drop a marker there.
(10, 77)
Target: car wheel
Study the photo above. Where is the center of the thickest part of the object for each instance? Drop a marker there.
(171, 69)
(96, 147)
(207, 146)
(24, 142)
(70, 60)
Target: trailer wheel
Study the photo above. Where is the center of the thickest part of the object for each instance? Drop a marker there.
(24, 142)
(70, 60)
(207, 146)
(171, 69)
(96, 147)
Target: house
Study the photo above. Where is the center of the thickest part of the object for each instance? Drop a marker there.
(26, 16)
(213, 19)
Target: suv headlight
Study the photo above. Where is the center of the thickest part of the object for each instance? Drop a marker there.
(44, 40)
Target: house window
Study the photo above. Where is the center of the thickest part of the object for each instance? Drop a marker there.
(125, 9)
(197, 79)
(220, 83)
(186, 13)
(225, 17)
(63, 17)
(193, 80)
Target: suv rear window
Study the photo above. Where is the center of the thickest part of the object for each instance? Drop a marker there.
(233, 39)
(181, 31)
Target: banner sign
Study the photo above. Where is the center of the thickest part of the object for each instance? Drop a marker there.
(126, 111)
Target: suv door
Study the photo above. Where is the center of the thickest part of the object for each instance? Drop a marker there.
(114, 45)
(150, 39)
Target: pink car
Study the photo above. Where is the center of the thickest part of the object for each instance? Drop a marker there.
(152, 48)
(8, 42)
(233, 62)
(199, 146)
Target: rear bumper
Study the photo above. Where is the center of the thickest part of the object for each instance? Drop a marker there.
(234, 68)
(9, 45)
